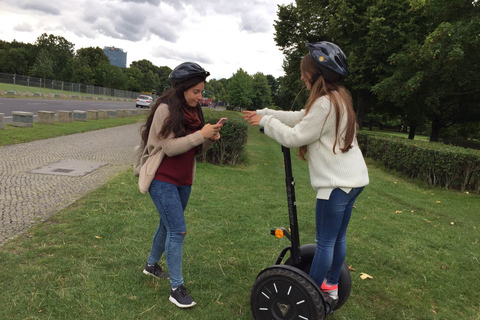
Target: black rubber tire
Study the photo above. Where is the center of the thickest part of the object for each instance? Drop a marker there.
(283, 292)
(344, 283)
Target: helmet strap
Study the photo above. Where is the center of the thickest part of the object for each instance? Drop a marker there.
(316, 76)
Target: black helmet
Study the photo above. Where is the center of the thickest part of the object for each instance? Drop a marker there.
(185, 71)
(330, 59)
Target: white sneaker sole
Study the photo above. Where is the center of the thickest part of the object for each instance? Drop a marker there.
(152, 275)
(183, 306)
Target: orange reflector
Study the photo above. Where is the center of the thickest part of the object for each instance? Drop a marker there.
(279, 233)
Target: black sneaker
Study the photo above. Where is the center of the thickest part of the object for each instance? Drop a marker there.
(155, 271)
(181, 298)
(330, 303)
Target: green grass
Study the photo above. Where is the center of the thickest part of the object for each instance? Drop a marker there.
(420, 245)
(396, 134)
(13, 135)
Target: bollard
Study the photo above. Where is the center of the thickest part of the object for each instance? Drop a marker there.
(79, 115)
(22, 119)
(102, 114)
(112, 113)
(47, 117)
(144, 112)
(92, 115)
(2, 121)
(64, 116)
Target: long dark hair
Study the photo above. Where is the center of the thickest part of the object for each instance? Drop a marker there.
(175, 99)
(323, 88)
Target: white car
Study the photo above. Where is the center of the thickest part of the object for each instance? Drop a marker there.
(144, 101)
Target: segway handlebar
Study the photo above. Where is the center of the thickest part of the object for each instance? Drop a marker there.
(292, 206)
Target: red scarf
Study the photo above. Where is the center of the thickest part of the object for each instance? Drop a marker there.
(192, 120)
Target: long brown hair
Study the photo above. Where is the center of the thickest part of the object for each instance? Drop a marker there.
(175, 99)
(341, 100)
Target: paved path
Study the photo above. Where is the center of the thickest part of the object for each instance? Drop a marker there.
(27, 198)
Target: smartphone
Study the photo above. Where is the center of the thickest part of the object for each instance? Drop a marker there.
(222, 121)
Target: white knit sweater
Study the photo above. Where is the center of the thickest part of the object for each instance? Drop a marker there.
(327, 170)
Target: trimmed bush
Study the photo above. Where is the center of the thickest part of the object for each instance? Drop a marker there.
(438, 164)
(231, 146)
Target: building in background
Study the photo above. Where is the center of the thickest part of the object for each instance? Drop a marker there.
(117, 56)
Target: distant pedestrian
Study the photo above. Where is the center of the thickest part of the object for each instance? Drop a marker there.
(325, 133)
(175, 132)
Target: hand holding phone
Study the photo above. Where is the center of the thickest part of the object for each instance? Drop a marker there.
(222, 121)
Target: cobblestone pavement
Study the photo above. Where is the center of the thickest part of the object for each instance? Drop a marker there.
(27, 198)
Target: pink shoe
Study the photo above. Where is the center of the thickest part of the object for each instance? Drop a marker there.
(327, 288)
(330, 291)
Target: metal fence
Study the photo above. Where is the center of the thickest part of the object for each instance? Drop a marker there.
(47, 85)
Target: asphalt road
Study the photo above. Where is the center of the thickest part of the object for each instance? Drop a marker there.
(7, 105)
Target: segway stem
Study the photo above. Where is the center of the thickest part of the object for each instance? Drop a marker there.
(292, 207)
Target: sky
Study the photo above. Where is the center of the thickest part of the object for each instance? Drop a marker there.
(221, 35)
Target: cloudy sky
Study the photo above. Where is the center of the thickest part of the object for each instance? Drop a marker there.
(221, 35)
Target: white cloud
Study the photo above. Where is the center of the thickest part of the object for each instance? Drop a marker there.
(221, 35)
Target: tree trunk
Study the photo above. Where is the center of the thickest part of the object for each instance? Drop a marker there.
(360, 109)
(436, 126)
(411, 133)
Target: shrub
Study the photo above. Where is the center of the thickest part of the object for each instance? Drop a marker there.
(231, 146)
(438, 164)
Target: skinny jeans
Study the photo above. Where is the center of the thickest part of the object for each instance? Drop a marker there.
(332, 217)
(170, 201)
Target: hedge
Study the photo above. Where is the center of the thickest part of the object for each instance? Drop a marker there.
(438, 164)
(231, 146)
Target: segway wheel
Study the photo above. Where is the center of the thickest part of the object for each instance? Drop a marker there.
(282, 292)
(344, 283)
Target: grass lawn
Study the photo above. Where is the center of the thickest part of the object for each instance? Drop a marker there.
(420, 245)
(13, 135)
(397, 134)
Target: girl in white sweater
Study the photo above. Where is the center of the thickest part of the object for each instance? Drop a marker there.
(325, 133)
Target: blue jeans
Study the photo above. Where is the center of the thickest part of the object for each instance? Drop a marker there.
(171, 201)
(332, 217)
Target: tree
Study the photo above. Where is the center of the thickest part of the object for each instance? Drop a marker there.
(262, 95)
(438, 73)
(82, 72)
(17, 57)
(218, 88)
(61, 52)
(150, 82)
(92, 56)
(110, 76)
(144, 66)
(43, 66)
(274, 85)
(14, 60)
(367, 31)
(240, 89)
(134, 76)
(163, 80)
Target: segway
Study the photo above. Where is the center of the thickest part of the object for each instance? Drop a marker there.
(286, 291)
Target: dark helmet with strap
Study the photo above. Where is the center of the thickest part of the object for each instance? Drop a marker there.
(185, 71)
(330, 60)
